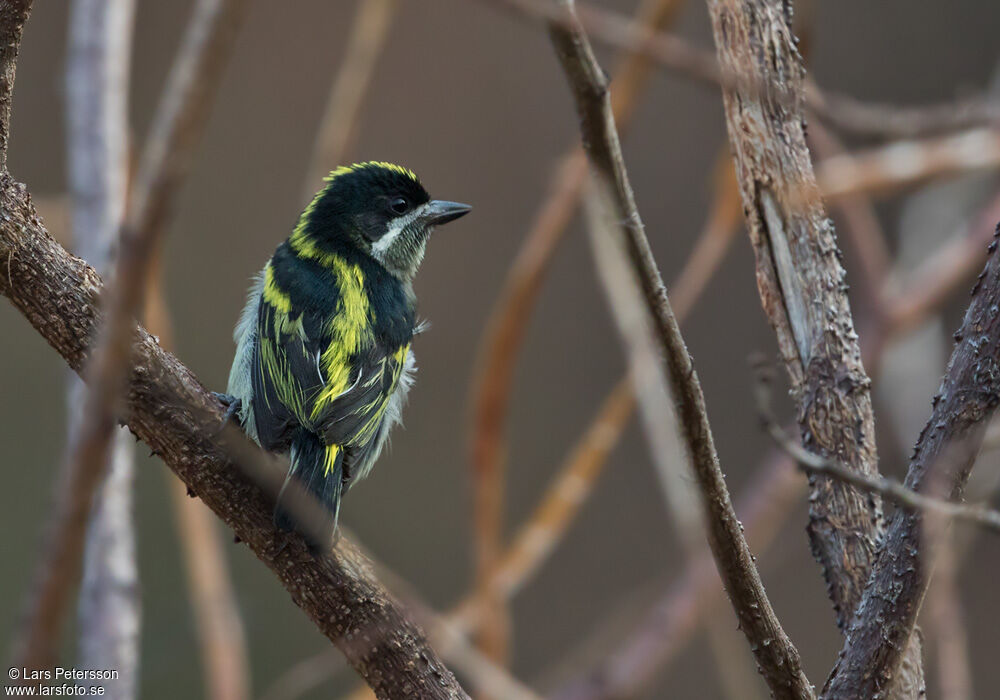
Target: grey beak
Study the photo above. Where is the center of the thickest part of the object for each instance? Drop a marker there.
(440, 212)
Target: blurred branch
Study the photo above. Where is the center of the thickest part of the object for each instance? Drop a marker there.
(902, 163)
(664, 630)
(842, 112)
(214, 608)
(656, 410)
(891, 489)
(929, 286)
(775, 654)
(179, 120)
(97, 77)
(172, 412)
(506, 328)
(946, 622)
(969, 395)
(338, 124)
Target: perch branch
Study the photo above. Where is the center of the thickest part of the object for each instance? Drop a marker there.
(169, 409)
(176, 416)
(778, 659)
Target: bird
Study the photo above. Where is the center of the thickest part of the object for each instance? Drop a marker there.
(323, 360)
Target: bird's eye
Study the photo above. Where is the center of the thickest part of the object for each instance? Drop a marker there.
(399, 206)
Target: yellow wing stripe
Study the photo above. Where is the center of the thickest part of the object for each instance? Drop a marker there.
(273, 294)
(330, 458)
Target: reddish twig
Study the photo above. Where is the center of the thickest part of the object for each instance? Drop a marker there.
(506, 327)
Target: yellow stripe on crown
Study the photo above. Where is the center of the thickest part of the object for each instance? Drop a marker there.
(345, 169)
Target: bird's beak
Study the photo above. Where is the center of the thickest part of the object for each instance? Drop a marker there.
(439, 212)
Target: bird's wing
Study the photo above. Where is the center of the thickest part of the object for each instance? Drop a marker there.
(286, 376)
(351, 416)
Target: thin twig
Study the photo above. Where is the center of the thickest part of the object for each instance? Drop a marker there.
(891, 489)
(507, 325)
(968, 398)
(778, 659)
(97, 76)
(180, 118)
(338, 124)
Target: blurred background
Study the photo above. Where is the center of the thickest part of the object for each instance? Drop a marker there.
(470, 96)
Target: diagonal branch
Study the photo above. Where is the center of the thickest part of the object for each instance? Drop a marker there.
(778, 659)
(945, 453)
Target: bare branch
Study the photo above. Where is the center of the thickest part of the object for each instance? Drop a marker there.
(842, 112)
(891, 489)
(338, 124)
(778, 659)
(907, 162)
(968, 397)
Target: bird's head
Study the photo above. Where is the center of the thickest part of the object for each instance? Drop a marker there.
(381, 209)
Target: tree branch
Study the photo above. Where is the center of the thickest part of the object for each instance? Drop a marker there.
(801, 283)
(778, 659)
(891, 489)
(947, 447)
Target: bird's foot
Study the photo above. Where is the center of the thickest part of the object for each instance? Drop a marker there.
(233, 406)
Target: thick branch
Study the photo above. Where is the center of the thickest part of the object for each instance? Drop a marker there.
(801, 283)
(166, 407)
(968, 397)
(778, 659)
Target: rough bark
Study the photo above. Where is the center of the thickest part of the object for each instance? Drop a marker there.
(945, 453)
(777, 657)
(167, 408)
(803, 291)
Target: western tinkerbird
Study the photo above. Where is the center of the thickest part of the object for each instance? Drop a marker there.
(323, 360)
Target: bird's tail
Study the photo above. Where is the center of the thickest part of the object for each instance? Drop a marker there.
(318, 470)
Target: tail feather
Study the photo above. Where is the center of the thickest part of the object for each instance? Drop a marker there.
(318, 469)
